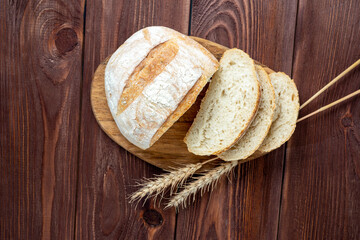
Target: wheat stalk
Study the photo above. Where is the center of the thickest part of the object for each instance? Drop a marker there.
(203, 183)
(173, 179)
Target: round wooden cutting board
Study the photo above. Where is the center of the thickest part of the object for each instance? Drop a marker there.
(170, 150)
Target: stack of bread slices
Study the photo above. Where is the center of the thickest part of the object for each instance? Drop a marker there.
(157, 74)
(245, 113)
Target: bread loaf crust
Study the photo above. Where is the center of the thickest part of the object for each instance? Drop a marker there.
(145, 73)
(146, 101)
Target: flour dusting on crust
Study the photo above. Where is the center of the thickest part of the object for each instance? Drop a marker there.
(140, 121)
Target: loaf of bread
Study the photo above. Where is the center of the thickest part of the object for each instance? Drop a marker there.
(152, 79)
(259, 128)
(228, 107)
(286, 114)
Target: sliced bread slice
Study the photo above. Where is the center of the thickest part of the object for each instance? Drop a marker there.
(260, 127)
(286, 114)
(228, 107)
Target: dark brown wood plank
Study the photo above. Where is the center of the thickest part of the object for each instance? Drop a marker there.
(107, 173)
(321, 195)
(247, 206)
(40, 76)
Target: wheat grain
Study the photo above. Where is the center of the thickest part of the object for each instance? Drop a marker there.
(173, 179)
(202, 183)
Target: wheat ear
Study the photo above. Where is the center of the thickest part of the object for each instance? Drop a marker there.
(205, 182)
(174, 178)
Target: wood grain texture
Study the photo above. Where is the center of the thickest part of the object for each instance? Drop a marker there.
(40, 100)
(247, 206)
(107, 173)
(322, 176)
(170, 151)
(40, 76)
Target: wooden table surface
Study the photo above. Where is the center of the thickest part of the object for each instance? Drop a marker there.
(61, 177)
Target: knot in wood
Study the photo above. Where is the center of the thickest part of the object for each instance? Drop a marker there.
(66, 40)
(152, 217)
(347, 121)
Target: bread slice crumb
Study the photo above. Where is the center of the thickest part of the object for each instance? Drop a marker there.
(228, 108)
(260, 127)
